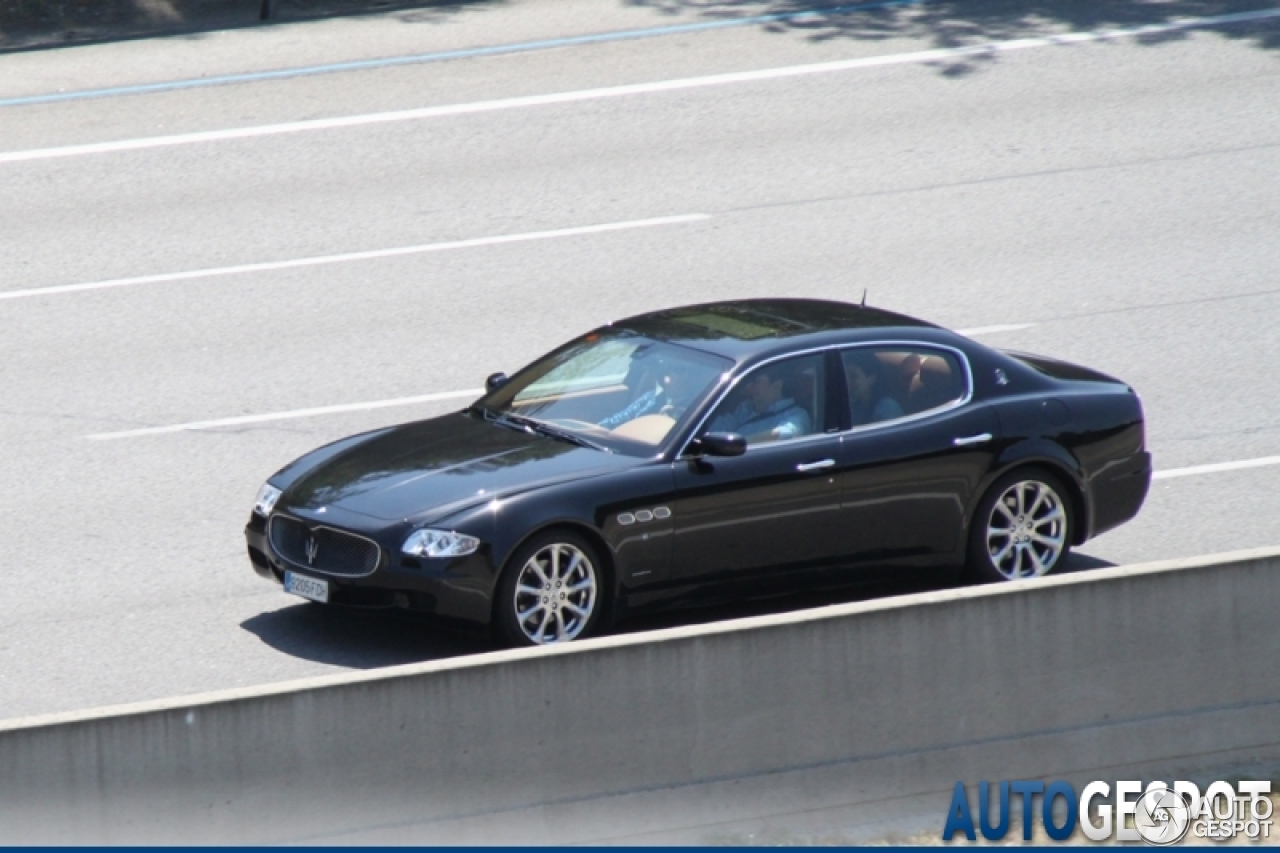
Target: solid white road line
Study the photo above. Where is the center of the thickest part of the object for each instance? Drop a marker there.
(355, 256)
(283, 416)
(1261, 462)
(528, 101)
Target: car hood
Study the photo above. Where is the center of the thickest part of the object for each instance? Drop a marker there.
(447, 461)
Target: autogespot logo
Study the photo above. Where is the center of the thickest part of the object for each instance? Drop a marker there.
(1162, 816)
(1158, 814)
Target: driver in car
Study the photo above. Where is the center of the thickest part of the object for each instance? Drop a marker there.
(670, 395)
(765, 415)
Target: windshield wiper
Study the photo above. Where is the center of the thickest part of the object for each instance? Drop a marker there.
(564, 435)
(523, 423)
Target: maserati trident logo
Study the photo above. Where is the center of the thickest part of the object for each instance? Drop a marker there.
(313, 548)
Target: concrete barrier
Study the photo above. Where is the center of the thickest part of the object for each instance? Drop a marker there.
(849, 714)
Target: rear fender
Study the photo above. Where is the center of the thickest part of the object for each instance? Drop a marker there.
(1053, 457)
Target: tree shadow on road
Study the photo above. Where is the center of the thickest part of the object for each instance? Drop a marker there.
(963, 23)
(41, 24)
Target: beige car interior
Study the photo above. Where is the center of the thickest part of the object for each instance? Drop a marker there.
(920, 381)
(650, 429)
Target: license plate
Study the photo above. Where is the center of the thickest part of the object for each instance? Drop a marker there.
(306, 587)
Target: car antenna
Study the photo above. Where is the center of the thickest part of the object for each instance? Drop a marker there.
(864, 298)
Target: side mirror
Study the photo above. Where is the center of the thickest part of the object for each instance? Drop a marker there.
(719, 444)
(494, 381)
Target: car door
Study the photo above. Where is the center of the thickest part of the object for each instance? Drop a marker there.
(908, 478)
(777, 504)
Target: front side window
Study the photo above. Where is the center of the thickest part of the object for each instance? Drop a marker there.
(617, 389)
(886, 383)
(780, 401)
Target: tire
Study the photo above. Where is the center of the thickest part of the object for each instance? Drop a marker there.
(1022, 528)
(551, 591)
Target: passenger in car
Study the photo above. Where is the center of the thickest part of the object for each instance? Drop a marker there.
(869, 400)
(765, 415)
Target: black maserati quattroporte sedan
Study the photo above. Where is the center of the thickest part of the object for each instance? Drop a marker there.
(684, 452)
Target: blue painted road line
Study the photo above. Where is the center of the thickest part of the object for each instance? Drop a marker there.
(419, 59)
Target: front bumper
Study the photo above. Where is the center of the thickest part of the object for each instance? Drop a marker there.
(454, 588)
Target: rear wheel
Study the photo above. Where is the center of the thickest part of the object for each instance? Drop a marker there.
(1022, 528)
(551, 591)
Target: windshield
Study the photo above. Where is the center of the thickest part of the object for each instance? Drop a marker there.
(617, 389)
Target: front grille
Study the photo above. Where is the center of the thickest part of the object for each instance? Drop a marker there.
(323, 549)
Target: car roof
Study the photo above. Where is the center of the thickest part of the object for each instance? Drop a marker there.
(748, 329)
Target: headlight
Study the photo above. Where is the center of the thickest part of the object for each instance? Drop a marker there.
(267, 497)
(439, 543)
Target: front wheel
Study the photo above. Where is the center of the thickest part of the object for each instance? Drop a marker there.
(1021, 529)
(551, 591)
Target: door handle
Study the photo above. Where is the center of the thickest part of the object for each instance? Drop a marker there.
(980, 438)
(815, 466)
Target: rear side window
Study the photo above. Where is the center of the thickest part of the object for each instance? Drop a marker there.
(886, 383)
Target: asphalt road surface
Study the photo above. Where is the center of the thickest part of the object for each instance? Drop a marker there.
(1107, 198)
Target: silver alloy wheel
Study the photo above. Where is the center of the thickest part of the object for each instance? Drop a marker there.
(555, 594)
(1027, 531)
